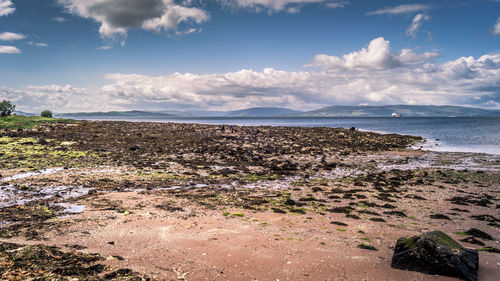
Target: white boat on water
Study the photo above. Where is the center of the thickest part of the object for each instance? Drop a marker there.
(394, 114)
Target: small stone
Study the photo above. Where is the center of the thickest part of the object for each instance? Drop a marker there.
(479, 234)
(472, 240)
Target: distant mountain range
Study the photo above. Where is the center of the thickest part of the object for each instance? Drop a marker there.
(403, 110)
(125, 114)
(331, 111)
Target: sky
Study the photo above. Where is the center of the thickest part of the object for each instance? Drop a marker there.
(102, 55)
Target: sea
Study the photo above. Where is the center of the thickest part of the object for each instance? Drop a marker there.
(452, 134)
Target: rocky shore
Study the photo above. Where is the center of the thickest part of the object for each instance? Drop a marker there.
(162, 201)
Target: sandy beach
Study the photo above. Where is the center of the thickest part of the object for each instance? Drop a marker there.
(163, 201)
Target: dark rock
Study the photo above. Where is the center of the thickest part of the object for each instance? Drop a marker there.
(490, 250)
(487, 218)
(367, 247)
(278, 210)
(345, 210)
(414, 196)
(440, 217)
(134, 148)
(472, 240)
(436, 253)
(479, 234)
(377, 219)
(395, 213)
(353, 216)
(339, 223)
(494, 224)
(42, 142)
(460, 210)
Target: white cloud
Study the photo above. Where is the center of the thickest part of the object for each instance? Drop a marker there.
(465, 81)
(6, 7)
(105, 48)
(9, 50)
(496, 28)
(337, 4)
(401, 9)
(417, 21)
(291, 6)
(38, 44)
(173, 16)
(378, 55)
(118, 16)
(9, 36)
(59, 19)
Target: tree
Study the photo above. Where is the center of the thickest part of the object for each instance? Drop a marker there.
(46, 113)
(6, 108)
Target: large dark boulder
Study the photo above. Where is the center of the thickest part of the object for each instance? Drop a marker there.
(435, 253)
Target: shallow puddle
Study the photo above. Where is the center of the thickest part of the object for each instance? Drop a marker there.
(31, 174)
(69, 209)
(10, 195)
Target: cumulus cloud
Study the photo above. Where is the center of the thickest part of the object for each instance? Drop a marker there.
(401, 9)
(9, 50)
(464, 81)
(378, 55)
(416, 23)
(291, 6)
(6, 7)
(496, 28)
(9, 36)
(116, 17)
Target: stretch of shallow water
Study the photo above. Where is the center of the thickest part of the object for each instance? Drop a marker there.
(458, 134)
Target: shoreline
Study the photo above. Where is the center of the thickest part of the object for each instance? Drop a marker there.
(431, 144)
(189, 202)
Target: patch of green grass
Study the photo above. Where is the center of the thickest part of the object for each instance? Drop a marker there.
(341, 229)
(238, 214)
(26, 122)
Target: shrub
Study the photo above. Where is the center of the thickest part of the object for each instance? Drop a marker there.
(46, 113)
(6, 108)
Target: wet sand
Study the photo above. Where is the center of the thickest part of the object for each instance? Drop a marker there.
(196, 202)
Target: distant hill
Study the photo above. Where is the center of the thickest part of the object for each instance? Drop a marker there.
(262, 112)
(123, 114)
(24, 113)
(404, 110)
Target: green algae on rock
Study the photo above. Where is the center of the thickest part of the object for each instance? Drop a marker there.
(436, 253)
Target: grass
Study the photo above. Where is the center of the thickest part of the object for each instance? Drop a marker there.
(26, 122)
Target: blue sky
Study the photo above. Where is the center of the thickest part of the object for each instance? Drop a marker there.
(80, 55)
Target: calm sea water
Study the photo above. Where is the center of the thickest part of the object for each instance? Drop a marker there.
(460, 134)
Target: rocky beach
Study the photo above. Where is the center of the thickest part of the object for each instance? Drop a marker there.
(104, 200)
